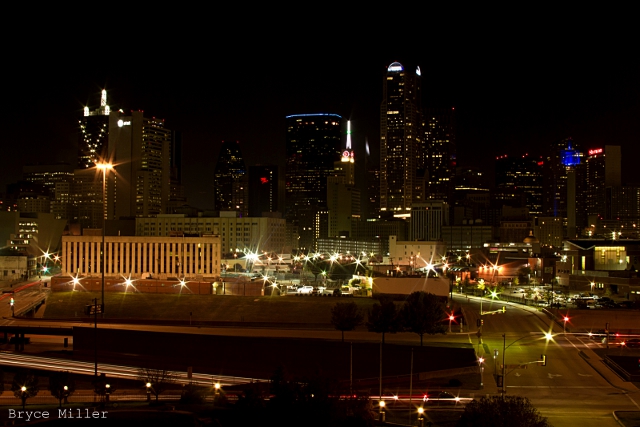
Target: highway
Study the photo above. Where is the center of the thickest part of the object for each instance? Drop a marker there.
(111, 371)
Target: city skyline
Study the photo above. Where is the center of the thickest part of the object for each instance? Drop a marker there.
(506, 106)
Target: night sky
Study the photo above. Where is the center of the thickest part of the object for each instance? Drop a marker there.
(513, 93)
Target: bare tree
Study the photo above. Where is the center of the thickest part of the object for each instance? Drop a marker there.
(156, 380)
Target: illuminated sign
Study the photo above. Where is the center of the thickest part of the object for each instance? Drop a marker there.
(264, 180)
(122, 123)
(596, 151)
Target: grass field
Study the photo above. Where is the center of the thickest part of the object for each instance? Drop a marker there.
(286, 309)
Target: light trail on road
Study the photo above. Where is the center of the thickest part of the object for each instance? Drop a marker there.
(114, 371)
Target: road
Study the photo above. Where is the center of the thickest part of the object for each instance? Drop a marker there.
(574, 388)
(569, 391)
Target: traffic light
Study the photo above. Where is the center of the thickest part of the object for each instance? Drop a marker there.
(543, 358)
(504, 308)
(11, 302)
(479, 322)
(499, 380)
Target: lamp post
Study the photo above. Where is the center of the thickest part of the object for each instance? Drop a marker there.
(451, 317)
(381, 414)
(103, 167)
(23, 395)
(543, 360)
(565, 320)
(65, 395)
(420, 416)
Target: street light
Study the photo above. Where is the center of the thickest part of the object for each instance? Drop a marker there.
(23, 396)
(104, 167)
(420, 416)
(148, 392)
(543, 358)
(381, 414)
(565, 319)
(451, 318)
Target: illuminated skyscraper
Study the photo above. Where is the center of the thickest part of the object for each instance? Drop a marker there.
(139, 148)
(313, 145)
(519, 182)
(603, 169)
(343, 198)
(401, 140)
(230, 179)
(94, 134)
(440, 153)
(563, 157)
(266, 190)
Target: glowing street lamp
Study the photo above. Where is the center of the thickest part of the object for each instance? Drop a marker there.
(451, 318)
(565, 319)
(381, 413)
(421, 416)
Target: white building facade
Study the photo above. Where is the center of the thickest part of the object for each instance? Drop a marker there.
(142, 257)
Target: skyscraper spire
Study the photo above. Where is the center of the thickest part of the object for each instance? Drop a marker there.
(347, 154)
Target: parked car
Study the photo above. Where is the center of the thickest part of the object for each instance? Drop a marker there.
(349, 290)
(305, 290)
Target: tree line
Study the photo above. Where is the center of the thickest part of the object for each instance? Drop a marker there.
(421, 313)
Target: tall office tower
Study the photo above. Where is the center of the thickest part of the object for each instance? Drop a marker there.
(312, 147)
(86, 196)
(56, 179)
(373, 192)
(401, 140)
(440, 153)
(94, 134)
(602, 170)
(623, 204)
(139, 149)
(266, 190)
(519, 179)
(563, 156)
(176, 188)
(343, 198)
(230, 179)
